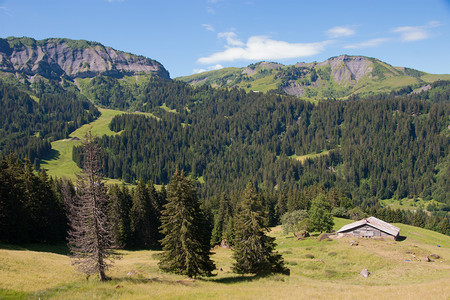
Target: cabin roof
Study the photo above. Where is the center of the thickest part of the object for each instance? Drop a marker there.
(374, 222)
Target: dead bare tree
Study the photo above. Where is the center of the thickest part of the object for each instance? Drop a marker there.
(90, 237)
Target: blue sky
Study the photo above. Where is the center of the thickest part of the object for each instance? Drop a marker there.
(194, 35)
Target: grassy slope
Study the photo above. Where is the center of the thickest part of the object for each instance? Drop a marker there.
(333, 272)
(59, 163)
(394, 80)
(408, 204)
(303, 158)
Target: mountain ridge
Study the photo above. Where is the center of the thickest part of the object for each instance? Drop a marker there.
(337, 77)
(55, 58)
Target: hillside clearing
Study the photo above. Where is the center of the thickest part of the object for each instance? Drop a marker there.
(303, 158)
(59, 162)
(319, 270)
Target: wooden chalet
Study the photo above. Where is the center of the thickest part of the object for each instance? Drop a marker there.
(370, 228)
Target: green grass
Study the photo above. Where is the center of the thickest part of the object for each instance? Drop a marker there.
(34, 98)
(263, 84)
(303, 158)
(147, 114)
(394, 78)
(319, 270)
(408, 204)
(164, 106)
(435, 77)
(59, 162)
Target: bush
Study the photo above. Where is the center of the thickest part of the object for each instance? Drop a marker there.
(290, 222)
(357, 214)
(340, 212)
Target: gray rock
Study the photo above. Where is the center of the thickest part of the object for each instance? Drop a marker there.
(365, 273)
(55, 58)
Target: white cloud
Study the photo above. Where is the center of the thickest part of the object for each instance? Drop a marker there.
(410, 34)
(261, 48)
(231, 38)
(211, 68)
(367, 44)
(112, 1)
(340, 31)
(208, 27)
(5, 10)
(415, 33)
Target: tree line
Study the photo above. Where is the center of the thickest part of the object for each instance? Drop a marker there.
(94, 221)
(33, 209)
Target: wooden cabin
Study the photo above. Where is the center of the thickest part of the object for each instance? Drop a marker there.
(370, 228)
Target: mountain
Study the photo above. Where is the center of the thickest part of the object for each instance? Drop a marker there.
(337, 77)
(227, 137)
(57, 58)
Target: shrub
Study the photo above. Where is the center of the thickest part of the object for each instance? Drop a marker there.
(340, 212)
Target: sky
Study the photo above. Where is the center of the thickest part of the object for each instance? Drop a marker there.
(191, 36)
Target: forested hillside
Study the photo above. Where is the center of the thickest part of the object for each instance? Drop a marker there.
(389, 145)
(27, 125)
(355, 153)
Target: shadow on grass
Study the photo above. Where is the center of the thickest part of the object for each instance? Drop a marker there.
(51, 155)
(238, 279)
(55, 248)
(134, 280)
(401, 238)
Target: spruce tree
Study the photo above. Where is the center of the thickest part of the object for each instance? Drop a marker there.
(144, 216)
(90, 234)
(253, 249)
(221, 220)
(120, 203)
(186, 238)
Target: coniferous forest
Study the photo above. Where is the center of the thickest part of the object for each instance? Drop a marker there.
(350, 154)
(384, 146)
(28, 126)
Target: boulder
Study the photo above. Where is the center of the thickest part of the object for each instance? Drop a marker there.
(364, 273)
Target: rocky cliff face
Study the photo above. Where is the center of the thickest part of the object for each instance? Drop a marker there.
(349, 69)
(345, 69)
(54, 58)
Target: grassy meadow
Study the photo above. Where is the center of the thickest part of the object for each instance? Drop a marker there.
(408, 204)
(319, 270)
(59, 162)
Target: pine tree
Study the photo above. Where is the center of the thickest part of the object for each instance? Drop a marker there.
(90, 235)
(120, 203)
(186, 238)
(220, 220)
(253, 249)
(140, 217)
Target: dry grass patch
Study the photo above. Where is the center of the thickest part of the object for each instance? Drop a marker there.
(333, 273)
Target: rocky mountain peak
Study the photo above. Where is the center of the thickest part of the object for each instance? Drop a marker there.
(53, 58)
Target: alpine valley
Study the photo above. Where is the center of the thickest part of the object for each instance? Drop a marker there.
(190, 162)
(357, 124)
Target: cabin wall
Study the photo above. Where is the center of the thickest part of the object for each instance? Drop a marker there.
(368, 232)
